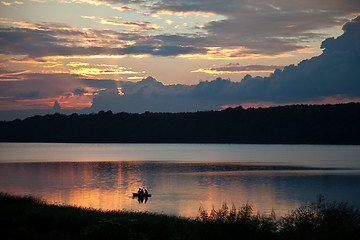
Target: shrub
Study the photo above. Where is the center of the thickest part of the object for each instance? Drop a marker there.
(336, 220)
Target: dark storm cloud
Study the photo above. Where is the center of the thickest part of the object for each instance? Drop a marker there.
(334, 73)
(348, 41)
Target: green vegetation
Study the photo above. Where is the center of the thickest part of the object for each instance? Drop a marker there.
(31, 218)
(311, 124)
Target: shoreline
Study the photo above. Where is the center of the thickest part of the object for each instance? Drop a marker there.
(30, 217)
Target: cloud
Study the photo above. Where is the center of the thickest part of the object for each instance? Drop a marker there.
(39, 91)
(263, 27)
(101, 69)
(249, 26)
(52, 40)
(237, 29)
(333, 74)
(108, 2)
(77, 64)
(237, 68)
(348, 41)
(124, 8)
(56, 106)
(6, 3)
(11, 75)
(11, 3)
(98, 84)
(169, 22)
(137, 26)
(33, 94)
(80, 91)
(330, 77)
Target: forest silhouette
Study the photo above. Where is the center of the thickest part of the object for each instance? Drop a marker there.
(295, 124)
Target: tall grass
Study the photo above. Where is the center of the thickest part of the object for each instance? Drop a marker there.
(30, 218)
(321, 220)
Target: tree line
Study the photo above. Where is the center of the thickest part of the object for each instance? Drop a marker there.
(295, 124)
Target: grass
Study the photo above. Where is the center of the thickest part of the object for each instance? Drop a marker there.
(31, 218)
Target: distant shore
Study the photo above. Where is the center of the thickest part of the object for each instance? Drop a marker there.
(296, 124)
(31, 218)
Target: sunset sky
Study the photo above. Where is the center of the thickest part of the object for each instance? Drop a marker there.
(93, 55)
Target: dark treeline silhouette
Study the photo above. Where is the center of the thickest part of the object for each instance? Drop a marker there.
(316, 124)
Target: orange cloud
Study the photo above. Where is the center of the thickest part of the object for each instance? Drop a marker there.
(77, 64)
(98, 71)
(6, 3)
(9, 3)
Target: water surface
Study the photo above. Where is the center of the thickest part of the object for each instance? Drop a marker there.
(181, 177)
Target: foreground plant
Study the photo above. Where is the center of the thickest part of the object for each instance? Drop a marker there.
(32, 218)
(336, 220)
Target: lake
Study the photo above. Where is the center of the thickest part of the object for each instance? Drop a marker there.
(181, 177)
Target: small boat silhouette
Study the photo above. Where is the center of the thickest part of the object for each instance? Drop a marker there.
(141, 195)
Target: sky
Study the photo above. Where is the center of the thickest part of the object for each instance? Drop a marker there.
(175, 55)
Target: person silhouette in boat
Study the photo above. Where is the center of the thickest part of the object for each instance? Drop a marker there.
(146, 192)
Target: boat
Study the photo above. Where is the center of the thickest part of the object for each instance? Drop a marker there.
(139, 195)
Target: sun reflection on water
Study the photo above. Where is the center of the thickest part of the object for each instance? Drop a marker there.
(176, 188)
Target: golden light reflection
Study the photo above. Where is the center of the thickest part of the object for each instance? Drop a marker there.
(109, 186)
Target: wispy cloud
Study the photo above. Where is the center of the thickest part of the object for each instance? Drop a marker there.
(237, 68)
(138, 26)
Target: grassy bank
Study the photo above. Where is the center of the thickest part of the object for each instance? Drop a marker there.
(31, 218)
